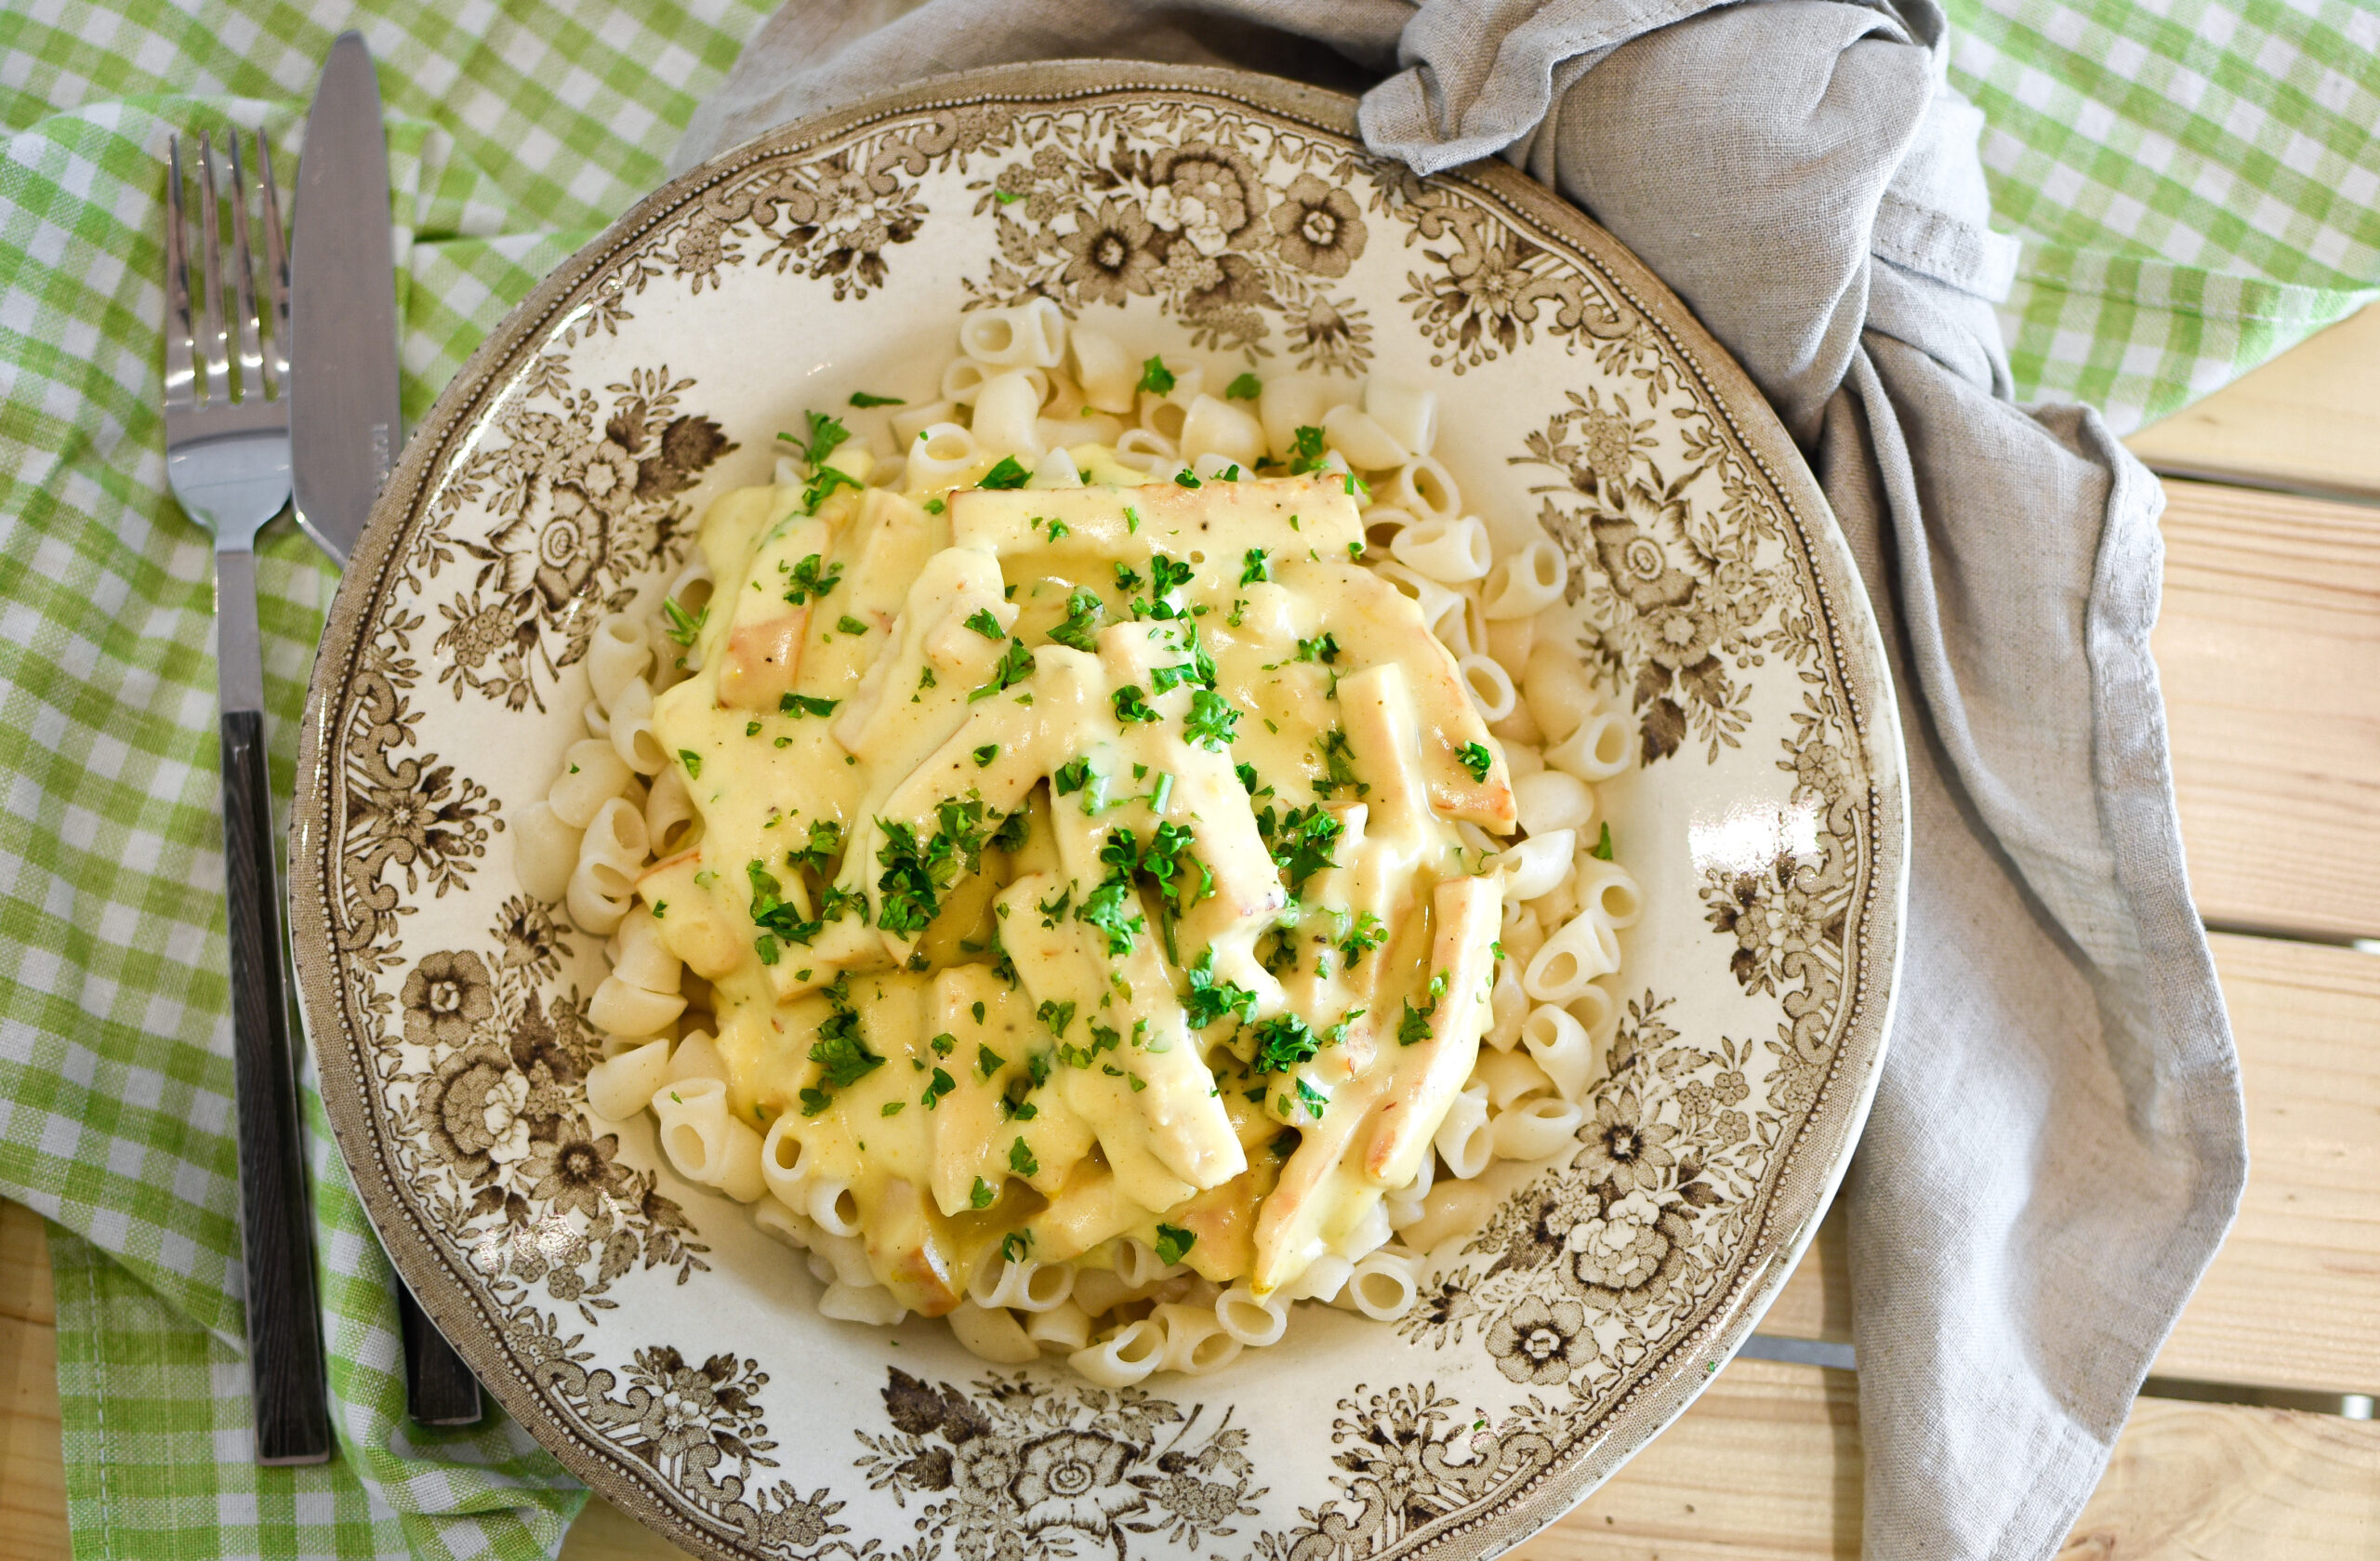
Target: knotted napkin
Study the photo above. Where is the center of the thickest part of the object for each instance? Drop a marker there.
(2057, 1143)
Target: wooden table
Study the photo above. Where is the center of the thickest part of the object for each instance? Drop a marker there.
(2271, 650)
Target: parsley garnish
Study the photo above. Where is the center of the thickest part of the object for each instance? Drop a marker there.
(1601, 850)
(1021, 1160)
(1131, 705)
(1155, 377)
(1015, 666)
(1007, 474)
(805, 705)
(1210, 719)
(1173, 1243)
(988, 1062)
(850, 625)
(861, 397)
(1475, 758)
(1415, 1024)
(1246, 387)
(1057, 1017)
(1126, 577)
(1209, 999)
(1283, 1043)
(682, 626)
(982, 623)
(1253, 567)
(825, 839)
(1110, 907)
(1301, 842)
(1339, 764)
(1083, 612)
(1367, 934)
(983, 1196)
(840, 1053)
(1186, 478)
(1306, 453)
(1323, 647)
(1015, 1245)
(1071, 777)
(693, 761)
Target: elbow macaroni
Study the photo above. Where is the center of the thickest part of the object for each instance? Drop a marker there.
(1104, 827)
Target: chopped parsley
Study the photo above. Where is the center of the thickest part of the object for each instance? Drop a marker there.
(1057, 1017)
(988, 1062)
(1415, 1023)
(1155, 377)
(1601, 850)
(983, 1194)
(1132, 706)
(982, 623)
(1253, 567)
(1021, 1160)
(805, 580)
(1209, 999)
(1301, 842)
(1015, 666)
(850, 625)
(1126, 577)
(1475, 758)
(1211, 720)
(1339, 764)
(916, 871)
(827, 433)
(1083, 612)
(1186, 478)
(892, 1108)
(1367, 934)
(1011, 831)
(1323, 647)
(825, 839)
(1305, 454)
(1173, 1243)
(840, 1053)
(1246, 387)
(1283, 1043)
(986, 754)
(1112, 909)
(1007, 474)
(861, 397)
(1015, 1245)
(805, 705)
(693, 761)
(1071, 777)
(682, 626)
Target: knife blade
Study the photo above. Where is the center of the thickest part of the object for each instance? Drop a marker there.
(345, 425)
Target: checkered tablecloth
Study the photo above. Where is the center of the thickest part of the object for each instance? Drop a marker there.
(2196, 184)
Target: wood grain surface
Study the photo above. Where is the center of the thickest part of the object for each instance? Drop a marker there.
(2269, 650)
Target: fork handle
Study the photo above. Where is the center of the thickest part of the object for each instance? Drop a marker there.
(287, 1379)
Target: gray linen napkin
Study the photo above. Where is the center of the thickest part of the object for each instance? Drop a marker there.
(2058, 1143)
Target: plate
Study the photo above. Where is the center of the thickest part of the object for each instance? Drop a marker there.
(643, 1328)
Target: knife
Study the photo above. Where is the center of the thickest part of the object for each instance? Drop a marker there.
(345, 426)
(344, 419)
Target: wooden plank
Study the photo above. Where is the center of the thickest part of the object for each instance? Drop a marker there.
(2290, 1299)
(605, 1533)
(2267, 647)
(2310, 415)
(32, 1472)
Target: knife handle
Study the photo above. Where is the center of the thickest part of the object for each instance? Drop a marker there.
(440, 1390)
(287, 1381)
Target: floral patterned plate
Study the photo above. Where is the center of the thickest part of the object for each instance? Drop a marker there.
(645, 1330)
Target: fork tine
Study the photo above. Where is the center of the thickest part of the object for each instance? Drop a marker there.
(213, 349)
(179, 396)
(277, 273)
(247, 326)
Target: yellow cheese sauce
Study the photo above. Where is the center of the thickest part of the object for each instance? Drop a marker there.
(1081, 863)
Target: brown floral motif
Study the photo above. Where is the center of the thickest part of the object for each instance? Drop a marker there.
(583, 498)
(1318, 227)
(1233, 247)
(1624, 1146)
(1532, 1343)
(1016, 1469)
(445, 997)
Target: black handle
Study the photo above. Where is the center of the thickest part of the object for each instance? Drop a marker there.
(440, 1390)
(276, 1230)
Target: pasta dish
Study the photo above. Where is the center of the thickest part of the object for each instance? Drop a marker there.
(1098, 857)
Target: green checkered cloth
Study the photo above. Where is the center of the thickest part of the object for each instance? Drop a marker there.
(2197, 187)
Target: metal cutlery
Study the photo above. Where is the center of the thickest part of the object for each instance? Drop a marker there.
(345, 427)
(227, 456)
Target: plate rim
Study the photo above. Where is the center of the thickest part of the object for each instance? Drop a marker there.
(1853, 639)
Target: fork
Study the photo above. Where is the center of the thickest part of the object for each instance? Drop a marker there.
(227, 456)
